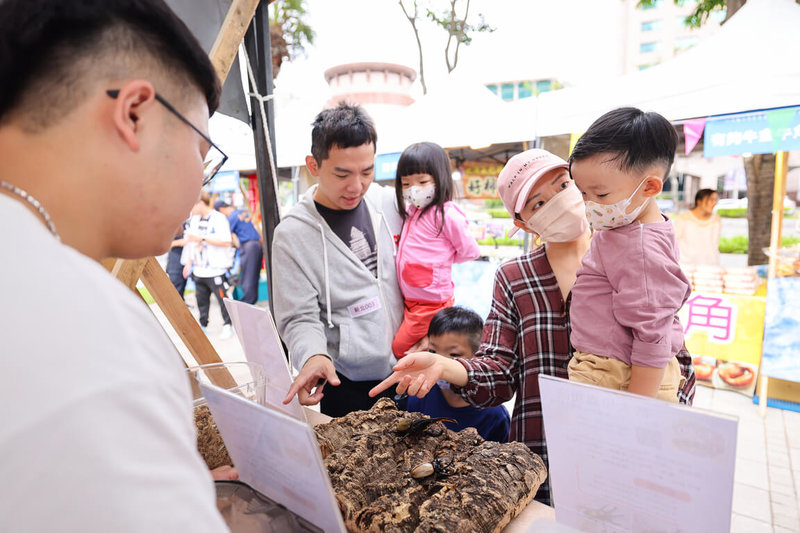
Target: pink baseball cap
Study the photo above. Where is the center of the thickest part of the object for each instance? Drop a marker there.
(520, 174)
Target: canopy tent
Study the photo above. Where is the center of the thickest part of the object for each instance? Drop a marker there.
(748, 64)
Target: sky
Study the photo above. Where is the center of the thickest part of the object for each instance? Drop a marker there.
(571, 40)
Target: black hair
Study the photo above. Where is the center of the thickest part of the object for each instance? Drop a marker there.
(426, 158)
(50, 48)
(458, 320)
(702, 194)
(344, 126)
(635, 139)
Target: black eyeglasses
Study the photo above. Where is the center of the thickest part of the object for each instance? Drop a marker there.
(215, 157)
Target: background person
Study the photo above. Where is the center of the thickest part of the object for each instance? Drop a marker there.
(174, 265)
(435, 235)
(209, 255)
(97, 431)
(252, 254)
(697, 230)
(335, 293)
(455, 332)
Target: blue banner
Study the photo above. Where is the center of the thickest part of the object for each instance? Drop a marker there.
(762, 132)
(386, 166)
(225, 181)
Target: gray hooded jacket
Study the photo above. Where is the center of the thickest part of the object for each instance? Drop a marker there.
(326, 301)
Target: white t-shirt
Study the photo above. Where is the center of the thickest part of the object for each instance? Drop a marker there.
(210, 260)
(97, 431)
(698, 240)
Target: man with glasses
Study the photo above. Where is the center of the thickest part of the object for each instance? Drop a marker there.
(103, 149)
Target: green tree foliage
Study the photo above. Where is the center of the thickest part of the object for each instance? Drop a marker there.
(703, 10)
(289, 33)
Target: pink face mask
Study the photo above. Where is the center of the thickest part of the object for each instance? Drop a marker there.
(562, 218)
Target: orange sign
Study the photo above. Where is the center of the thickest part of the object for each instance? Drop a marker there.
(480, 180)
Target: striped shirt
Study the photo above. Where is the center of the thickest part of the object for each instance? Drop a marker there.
(527, 334)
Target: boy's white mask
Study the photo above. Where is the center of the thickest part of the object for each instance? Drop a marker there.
(603, 217)
(562, 218)
(420, 196)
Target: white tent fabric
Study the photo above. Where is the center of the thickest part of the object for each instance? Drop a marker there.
(749, 64)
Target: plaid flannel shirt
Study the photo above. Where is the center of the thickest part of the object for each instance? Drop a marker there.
(527, 334)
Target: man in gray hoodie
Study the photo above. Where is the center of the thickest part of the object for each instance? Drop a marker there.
(335, 292)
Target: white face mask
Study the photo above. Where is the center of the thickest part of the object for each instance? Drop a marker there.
(420, 196)
(602, 217)
(562, 218)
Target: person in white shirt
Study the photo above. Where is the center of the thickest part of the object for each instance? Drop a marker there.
(208, 256)
(697, 231)
(104, 111)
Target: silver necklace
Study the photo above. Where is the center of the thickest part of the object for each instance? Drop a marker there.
(35, 203)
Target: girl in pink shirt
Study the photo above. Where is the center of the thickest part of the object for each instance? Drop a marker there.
(435, 235)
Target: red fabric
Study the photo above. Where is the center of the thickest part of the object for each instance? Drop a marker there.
(416, 319)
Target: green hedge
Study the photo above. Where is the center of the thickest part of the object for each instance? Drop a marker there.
(498, 213)
(733, 212)
(738, 244)
(492, 203)
(741, 212)
(500, 242)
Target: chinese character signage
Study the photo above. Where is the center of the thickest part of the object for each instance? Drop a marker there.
(724, 334)
(480, 180)
(762, 132)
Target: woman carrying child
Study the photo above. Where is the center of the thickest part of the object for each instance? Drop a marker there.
(435, 235)
(527, 331)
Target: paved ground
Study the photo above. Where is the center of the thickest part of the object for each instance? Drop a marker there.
(767, 490)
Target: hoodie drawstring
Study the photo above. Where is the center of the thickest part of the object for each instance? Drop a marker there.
(327, 276)
(391, 235)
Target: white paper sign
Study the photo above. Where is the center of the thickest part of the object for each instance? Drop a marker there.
(621, 462)
(277, 455)
(261, 344)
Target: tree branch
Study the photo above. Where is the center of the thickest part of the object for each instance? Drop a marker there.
(413, 22)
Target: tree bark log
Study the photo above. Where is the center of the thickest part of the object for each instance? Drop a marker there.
(760, 170)
(480, 485)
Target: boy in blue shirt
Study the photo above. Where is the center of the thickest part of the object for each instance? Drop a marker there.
(250, 247)
(456, 332)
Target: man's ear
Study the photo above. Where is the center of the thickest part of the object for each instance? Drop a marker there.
(311, 165)
(135, 99)
(652, 186)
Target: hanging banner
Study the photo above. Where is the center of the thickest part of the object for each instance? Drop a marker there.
(480, 180)
(692, 131)
(724, 333)
(763, 132)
